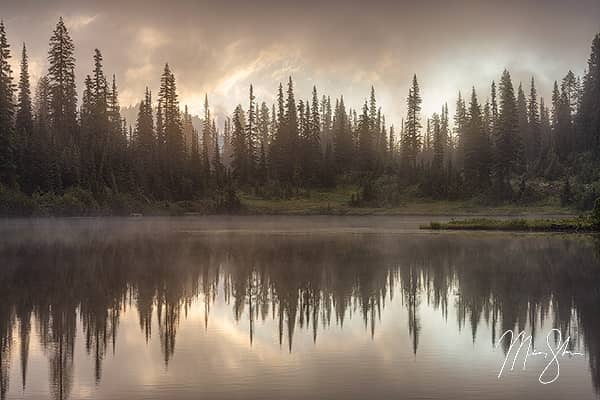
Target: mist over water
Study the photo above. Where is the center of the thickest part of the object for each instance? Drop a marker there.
(270, 308)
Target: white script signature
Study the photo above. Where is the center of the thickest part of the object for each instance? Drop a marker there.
(523, 341)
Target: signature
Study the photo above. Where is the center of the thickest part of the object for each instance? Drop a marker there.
(523, 341)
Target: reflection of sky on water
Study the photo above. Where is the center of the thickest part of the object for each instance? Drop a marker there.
(373, 357)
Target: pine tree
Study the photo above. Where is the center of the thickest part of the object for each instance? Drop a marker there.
(262, 167)
(24, 125)
(477, 153)
(227, 149)
(384, 143)
(273, 126)
(63, 99)
(290, 137)
(315, 127)
(487, 119)
(428, 140)
(239, 144)
(365, 141)
(117, 130)
(445, 132)
(277, 149)
(412, 135)
(494, 107)
(326, 123)
(188, 131)
(174, 146)
(372, 112)
(392, 145)
(160, 134)
(589, 117)
(460, 127)
(561, 122)
(41, 168)
(144, 141)
(252, 137)
(100, 135)
(218, 168)
(303, 132)
(114, 109)
(264, 126)
(545, 128)
(7, 113)
(533, 138)
(438, 143)
(206, 141)
(522, 117)
(507, 140)
(342, 138)
(570, 86)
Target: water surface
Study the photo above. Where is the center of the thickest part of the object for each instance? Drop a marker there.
(294, 308)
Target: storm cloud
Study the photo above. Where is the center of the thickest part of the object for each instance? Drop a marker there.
(343, 47)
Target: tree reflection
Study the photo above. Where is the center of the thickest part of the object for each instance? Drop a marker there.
(299, 281)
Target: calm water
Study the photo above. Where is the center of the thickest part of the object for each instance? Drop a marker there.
(288, 308)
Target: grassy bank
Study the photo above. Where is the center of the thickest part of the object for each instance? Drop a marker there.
(338, 201)
(580, 224)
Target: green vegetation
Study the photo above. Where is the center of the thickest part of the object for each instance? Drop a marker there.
(581, 224)
(348, 200)
(79, 202)
(588, 223)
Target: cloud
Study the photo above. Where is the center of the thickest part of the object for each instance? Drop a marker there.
(78, 22)
(342, 47)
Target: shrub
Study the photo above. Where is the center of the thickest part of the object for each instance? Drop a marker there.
(586, 196)
(14, 203)
(125, 204)
(75, 202)
(566, 194)
(228, 201)
(381, 192)
(596, 214)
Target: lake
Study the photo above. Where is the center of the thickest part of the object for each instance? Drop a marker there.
(294, 308)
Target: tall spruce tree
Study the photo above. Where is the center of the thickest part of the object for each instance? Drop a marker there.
(7, 113)
(24, 125)
(589, 117)
(533, 138)
(365, 141)
(252, 136)
(561, 122)
(239, 144)
(314, 138)
(264, 127)
(523, 120)
(477, 152)
(494, 106)
(460, 128)
(63, 107)
(206, 141)
(507, 140)
(343, 147)
(445, 131)
(144, 141)
(279, 137)
(290, 138)
(172, 131)
(412, 135)
(438, 144)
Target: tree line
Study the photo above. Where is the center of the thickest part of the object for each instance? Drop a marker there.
(51, 143)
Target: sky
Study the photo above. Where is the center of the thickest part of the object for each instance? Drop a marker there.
(342, 47)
